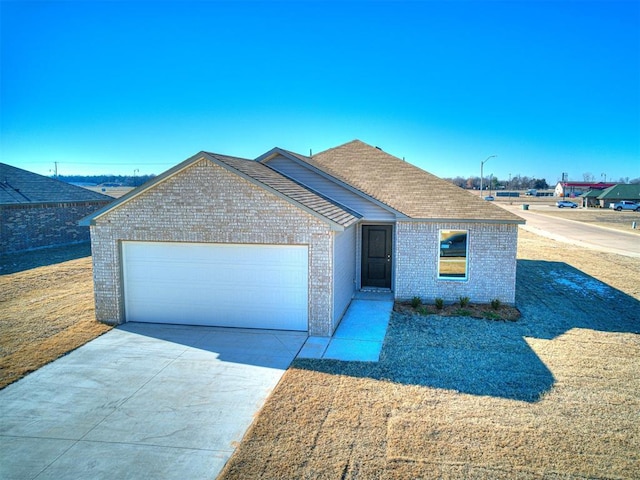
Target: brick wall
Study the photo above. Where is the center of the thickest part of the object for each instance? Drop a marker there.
(206, 203)
(32, 226)
(491, 262)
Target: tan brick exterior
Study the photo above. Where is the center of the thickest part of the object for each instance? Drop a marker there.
(491, 262)
(206, 203)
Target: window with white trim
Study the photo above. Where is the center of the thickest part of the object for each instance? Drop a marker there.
(452, 261)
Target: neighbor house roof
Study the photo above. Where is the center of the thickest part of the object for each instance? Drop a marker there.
(19, 186)
(258, 174)
(621, 192)
(591, 194)
(405, 187)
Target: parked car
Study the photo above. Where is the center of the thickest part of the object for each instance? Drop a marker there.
(625, 205)
(489, 198)
(454, 246)
(566, 203)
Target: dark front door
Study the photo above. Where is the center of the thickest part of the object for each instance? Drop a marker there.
(376, 255)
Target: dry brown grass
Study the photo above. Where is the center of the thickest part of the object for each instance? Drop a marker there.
(45, 312)
(618, 271)
(553, 395)
(115, 192)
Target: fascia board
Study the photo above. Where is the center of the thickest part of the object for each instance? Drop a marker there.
(274, 152)
(522, 221)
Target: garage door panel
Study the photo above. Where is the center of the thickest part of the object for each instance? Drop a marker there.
(249, 286)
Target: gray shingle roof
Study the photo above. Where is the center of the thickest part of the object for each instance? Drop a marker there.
(405, 187)
(287, 187)
(19, 186)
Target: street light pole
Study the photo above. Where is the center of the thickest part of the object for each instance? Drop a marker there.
(482, 171)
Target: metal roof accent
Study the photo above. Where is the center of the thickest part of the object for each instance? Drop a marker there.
(310, 163)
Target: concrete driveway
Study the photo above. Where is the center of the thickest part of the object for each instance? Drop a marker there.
(142, 401)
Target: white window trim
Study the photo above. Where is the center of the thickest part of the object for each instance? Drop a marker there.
(466, 257)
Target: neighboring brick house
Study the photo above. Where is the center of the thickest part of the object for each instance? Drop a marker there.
(285, 241)
(39, 212)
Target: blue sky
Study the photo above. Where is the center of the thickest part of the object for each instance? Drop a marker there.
(112, 87)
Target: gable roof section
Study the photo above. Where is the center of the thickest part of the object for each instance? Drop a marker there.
(287, 188)
(314, 166)
(621, 192)
(405, 187)
(18, 186)
(336, 215)
(591, 194)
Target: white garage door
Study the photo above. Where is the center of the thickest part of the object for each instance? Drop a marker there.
(250, 286)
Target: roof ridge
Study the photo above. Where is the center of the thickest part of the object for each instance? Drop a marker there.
(217, 155)
(405, 187)
(355, 140)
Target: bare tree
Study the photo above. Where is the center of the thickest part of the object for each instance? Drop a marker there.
(457, 181)
(588, 177)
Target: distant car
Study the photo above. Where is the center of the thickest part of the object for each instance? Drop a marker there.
(566, 203)
(489, 198)
(625, 205)
(454, 246)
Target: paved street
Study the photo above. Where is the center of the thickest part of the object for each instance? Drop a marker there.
(577, 233)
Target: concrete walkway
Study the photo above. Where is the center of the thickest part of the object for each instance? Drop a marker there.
(361, 332)
(143, 401)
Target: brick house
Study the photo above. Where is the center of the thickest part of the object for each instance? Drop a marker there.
(39, 212)
(285, 240)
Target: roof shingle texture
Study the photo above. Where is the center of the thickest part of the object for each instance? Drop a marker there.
(405, 187)
(19, 186)
(289, 188)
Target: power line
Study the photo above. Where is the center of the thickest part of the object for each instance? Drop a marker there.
(99, 164)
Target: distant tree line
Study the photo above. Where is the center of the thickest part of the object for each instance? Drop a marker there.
(121, 180)
(589, 177)
(515, 183)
